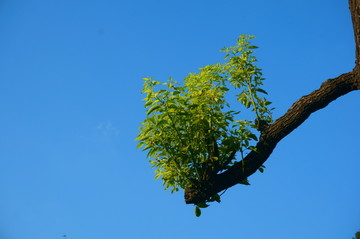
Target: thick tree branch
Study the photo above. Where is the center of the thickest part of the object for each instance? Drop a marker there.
(329, 91)
(354, 6)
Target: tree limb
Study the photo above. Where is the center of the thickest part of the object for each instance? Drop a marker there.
(354, 7)
(329, 91)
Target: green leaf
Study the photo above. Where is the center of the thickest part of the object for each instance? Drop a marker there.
(202, 205)
(148, 103)
(253, 136)
(261, 91)
(261, 170)
(245, 182)
(152, 109)
(252, 148)
(267, 103)
(154, 82)
(185, 148)
(197, 211)
(147, 147)
(215, 197)
(161, 123)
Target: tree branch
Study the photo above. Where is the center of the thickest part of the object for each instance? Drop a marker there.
(354, 6)
(329, 91)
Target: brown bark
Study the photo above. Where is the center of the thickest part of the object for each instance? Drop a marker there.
(354, 6)
(329, 91)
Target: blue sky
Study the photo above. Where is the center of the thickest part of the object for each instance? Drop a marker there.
(70, 80)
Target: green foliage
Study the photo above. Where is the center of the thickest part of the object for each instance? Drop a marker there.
(190, 132)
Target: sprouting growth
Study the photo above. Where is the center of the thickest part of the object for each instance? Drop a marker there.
(191, 133)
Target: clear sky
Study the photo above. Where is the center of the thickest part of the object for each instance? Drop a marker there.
(70, 79)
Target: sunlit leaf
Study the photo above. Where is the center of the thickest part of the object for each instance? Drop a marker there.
(152, 109)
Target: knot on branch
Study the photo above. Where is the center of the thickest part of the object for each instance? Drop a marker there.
(261, 125)
(198, 193)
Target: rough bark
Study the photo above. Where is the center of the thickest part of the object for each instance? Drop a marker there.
(354, 6)
(329, 91)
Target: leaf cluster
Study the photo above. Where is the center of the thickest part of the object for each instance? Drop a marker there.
(190, 132)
